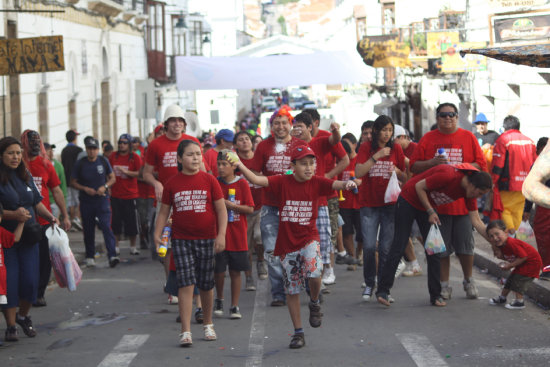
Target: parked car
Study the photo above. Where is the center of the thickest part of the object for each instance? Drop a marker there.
(297, 103)
(309, 104)
(269, 104)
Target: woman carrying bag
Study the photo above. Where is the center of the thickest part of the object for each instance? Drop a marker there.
(20, 198)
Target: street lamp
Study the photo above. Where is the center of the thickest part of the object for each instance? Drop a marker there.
(180, 29)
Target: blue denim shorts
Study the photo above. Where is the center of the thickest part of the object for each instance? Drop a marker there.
(300, 265)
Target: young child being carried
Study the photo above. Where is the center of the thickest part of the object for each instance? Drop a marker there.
(7, 239)
(520, 256)
(298, 238)
(235, 255)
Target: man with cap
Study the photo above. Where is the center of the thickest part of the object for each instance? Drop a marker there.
(69, 156)
(124, 193)
(92, 176)
(224, 140)
(485, 137)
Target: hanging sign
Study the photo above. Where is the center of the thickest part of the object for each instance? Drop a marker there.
(31, 55)
(384, 52)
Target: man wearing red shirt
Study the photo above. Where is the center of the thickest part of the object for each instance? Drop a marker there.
(458, 146)
(513, 157)
(126, 165)
(44, 177)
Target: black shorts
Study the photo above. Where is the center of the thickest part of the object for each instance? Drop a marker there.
(124, 215)
(518, 283)
(236, 260)
(352, 223)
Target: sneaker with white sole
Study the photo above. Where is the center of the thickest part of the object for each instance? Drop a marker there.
(90, 262)
(497, 301)
(446, 292)
(516, 305)
(261, 269)
(329, 277)
(470, 289)
(400, 268)
(172, 300)
(367, 294)
(218, 307)
(250, 284)
(235, 313)
(134, 251)
(412, 271)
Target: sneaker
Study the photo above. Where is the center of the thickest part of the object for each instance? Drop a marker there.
(218, 307)
(172, 300)
(497, 301)
(367, 294)
(470, 289)
(11, 334)
(446, 292)
(250, 284)
(77, 224)
(199, 315)
(412, 271)
(278, 303)
(545, 275)
(340, 259)
(117, 251)
(315, 314)
(324, 289)
(235, 313)
(363, 285)
(113, 261)
(262, 270)
(40, 302)
(26, 325)
(134, 251)
(297, 341)
(90, 263)
(350, 260)
(515, 305)
(390, 299)
(329, 277)
(400, 268)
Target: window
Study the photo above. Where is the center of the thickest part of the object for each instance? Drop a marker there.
(155, 26)
(214, 117)
(196, 39)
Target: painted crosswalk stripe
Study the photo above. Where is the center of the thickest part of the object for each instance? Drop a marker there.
(421, 350)
(125, 351)
(257, 330)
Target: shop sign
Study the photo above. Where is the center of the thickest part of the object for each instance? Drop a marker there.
(31, 55)
(452, 62)
(384, 52)
(521, 27)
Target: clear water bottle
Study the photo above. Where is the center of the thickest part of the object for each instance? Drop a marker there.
(231, 213)
(165, 238)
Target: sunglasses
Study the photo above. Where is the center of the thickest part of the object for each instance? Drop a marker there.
(123, 142)
(447, 114)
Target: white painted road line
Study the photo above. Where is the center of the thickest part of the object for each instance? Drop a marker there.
(125, 351)
(257, 329)
(503, 354)
(421, 350)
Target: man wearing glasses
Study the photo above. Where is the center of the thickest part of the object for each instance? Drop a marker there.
(449, 144)
(124, 193)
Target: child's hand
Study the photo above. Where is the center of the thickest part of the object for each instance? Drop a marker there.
(219, 244)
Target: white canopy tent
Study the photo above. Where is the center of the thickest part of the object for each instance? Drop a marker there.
(196, 73)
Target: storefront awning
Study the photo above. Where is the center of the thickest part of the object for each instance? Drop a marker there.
(195, 73)
(530, 55)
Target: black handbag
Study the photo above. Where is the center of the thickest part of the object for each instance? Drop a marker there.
(32, 233)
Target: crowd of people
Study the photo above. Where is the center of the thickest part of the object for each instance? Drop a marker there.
(301, 201)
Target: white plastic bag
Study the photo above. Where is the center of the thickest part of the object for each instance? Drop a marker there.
(525, 231)
(66, 269)
(393, 190)
(434, 242)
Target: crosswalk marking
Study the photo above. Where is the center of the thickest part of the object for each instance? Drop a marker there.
(421, 350)
(125, 351)
(257, 329)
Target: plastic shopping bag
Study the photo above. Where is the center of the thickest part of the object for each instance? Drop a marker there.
(393, 190)
(66, 269)
(525, 231)
(434, 242)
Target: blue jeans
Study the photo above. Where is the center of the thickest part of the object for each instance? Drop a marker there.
(371, 219)
(269, 226)
(99, 208)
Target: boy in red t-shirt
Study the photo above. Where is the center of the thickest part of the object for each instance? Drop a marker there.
(298, 238)
(7, 239)
(520, 256)
(235, 255)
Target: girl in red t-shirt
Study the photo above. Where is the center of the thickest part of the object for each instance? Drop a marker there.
(376, 162)
(197, 201)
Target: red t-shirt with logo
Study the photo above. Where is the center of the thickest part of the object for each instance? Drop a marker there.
(375, 182)
(322, 148)
(211, 158)
(444, 187)
(162, 155)
(516, 249)
(44, 177)
(272, 158)
(125, 187)
(255, 189)
(460, 147)
(6, 241)
(410, 149)
(192, 200)
(330, 158)
(298, 209)
(235, 236)
(351, 200)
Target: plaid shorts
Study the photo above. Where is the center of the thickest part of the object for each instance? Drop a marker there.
(323, 226)
(194, 261)
(300, 265)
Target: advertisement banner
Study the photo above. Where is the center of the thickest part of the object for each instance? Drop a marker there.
(436, 39)
(452, 62)
(521, 27)
(502, 6)
(384, 52)
(31, 55)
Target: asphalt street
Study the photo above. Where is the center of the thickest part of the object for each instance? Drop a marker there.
(120, 317)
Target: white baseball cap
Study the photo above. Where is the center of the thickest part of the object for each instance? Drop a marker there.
(399, 130)
(174, 111)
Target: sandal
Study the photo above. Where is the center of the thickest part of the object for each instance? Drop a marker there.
(383, 299)
(209, 333)
(186, 339)
(439, 302)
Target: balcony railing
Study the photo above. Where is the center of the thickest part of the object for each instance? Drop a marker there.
(108, 7)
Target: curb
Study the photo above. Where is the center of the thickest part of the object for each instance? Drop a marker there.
(539, 290)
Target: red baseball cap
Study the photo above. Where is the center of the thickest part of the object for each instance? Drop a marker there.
(158, 128)
(300, 152)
